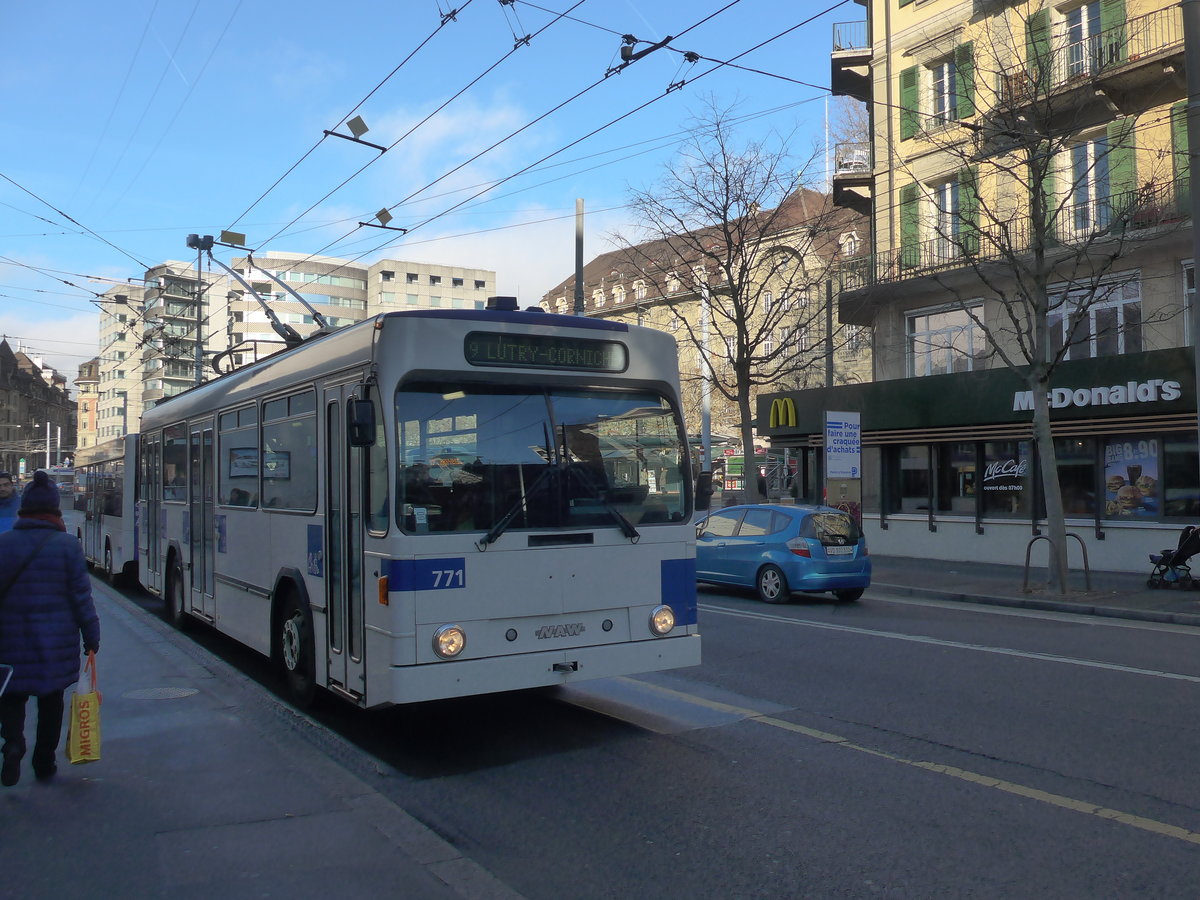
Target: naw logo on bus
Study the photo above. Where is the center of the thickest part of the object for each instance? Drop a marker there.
(560, 631)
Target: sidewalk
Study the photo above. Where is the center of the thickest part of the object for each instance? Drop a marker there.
(1115, 594)
(210, 787)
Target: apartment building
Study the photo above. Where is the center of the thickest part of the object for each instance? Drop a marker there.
(150, 333)
(1026, 182)
(783, 309)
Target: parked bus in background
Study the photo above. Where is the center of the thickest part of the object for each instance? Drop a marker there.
(433, 504)
(104, 486)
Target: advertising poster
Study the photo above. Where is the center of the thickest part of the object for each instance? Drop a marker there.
(1131, 477)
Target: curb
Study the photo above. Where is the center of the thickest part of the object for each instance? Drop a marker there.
(1063, 606)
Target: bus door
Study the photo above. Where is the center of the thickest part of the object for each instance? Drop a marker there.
(200, 511)
(343, 547)
(150, 508)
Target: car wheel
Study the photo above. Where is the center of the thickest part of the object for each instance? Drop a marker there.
(175, 599)
(772, 585)
(296, 650)
(849, 595)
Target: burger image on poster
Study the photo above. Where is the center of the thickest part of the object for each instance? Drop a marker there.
(1129, 499)
(1147, 485)
(1115, 483)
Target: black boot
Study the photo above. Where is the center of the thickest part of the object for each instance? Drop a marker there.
(11, 772)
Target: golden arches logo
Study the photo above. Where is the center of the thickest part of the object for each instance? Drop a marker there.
(783, 412)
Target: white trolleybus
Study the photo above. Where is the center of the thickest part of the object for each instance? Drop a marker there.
(104, 487)
(433, 504)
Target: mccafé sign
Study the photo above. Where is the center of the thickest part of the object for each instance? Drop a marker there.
(783, 412)
(1150, 391)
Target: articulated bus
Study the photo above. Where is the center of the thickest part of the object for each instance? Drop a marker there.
(104, 490)
(432, 504)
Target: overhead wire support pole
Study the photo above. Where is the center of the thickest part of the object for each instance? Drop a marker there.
(354, 140)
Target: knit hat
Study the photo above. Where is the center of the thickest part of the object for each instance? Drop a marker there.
(41, 496)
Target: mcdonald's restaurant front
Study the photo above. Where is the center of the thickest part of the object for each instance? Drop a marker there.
(949, 468)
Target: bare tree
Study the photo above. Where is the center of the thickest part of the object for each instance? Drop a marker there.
(733, 239)
(1034, 198)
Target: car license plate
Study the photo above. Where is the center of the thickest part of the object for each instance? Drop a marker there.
(839, 551)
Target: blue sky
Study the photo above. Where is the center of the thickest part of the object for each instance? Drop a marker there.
(145, 120)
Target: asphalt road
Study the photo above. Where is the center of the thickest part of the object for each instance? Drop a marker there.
(891, 748)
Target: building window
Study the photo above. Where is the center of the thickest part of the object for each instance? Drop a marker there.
(1110, 325)
(387, 276)
(946, 220)
(619, 294)
(412, 277)
(435, 279)
(1091, 185)
(942, 341)
(1084, 46)
(479, 285)
(1007, 479)
(639, 290)
(456, 282)
(943, 103)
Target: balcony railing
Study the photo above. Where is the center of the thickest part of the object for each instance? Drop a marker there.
(850, 36)
(1072, 225)
(1098, 54)
(852, 158)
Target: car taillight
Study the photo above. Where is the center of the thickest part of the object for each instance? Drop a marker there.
(799, 546)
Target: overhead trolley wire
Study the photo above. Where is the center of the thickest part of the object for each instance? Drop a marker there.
(446, 18)
(402, 137)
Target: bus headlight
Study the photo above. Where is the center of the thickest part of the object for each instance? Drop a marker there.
(662, 620)
(449, 641)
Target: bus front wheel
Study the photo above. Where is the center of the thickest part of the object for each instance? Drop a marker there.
(296, 651)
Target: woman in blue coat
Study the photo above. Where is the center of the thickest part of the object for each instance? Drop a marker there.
(45, 606)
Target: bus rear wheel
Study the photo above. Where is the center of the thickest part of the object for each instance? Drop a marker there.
(175, 598)
(296, 651)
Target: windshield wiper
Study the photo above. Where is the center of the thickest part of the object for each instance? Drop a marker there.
(499, 528)
(597, 493)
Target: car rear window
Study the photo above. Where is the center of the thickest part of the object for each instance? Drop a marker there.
(831, 528)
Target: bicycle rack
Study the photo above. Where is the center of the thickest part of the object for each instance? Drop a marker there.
(1087, 569)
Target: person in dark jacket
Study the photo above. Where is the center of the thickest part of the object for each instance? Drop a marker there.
(45, 606)
(9, 501)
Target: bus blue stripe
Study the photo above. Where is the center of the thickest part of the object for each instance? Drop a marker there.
(678, 580)
(449, 573)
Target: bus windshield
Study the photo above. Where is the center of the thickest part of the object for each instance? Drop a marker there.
(478, 457)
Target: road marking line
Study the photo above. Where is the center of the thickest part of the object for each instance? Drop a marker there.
(1009, 787)
(961, 645)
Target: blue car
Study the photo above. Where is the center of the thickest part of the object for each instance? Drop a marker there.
(780, 549)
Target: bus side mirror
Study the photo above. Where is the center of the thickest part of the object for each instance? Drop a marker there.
(360, 423)
(704, 490)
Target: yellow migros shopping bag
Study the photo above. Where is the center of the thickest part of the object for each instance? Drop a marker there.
(83, 733)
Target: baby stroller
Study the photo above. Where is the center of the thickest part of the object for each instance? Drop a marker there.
(1170, 566)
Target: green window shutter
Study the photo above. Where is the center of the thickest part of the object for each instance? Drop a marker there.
(909, 100)
(1113, 32)
(1122, 172)
(1049, 200)
(964, 79)
(1179, 146)
(968, 209)
(910, 226)
(904, 3)
(1037, 50)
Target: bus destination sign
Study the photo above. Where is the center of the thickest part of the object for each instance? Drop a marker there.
(536, 351)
